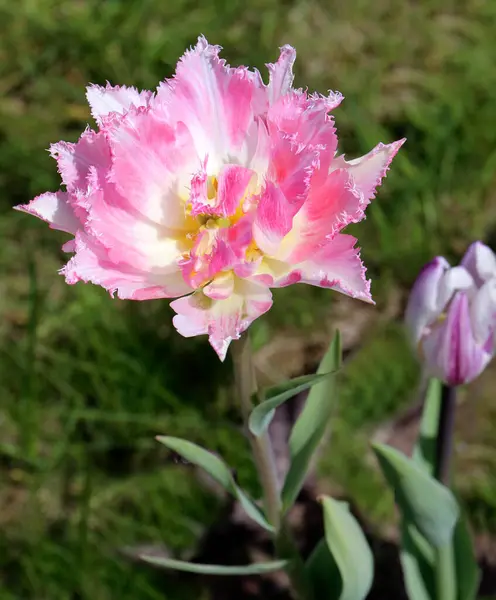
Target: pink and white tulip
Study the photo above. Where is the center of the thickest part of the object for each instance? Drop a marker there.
(212, 189)
(451, 315)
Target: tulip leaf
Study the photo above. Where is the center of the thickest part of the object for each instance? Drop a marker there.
(263, 414)
(422, 500)
(343, 567)
(466, 569)
(180, 565)
(311, 425)
(218, 470)
(417, 561)
(322, 572)
(465, 563)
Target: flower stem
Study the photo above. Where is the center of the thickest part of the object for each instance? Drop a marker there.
(444, 443)
(263, 455)
(445, 576)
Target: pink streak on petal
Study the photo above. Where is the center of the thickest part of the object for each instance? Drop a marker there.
(332, 204)
(223, 320)
(232, 183)
(369, 170)
(91, 264)
(74, 160)
(148, 157)
(335, 265)
(281, 74)
(214, 101)
(273, 218)
(451, 352)
(109, 99)
(221, 287)
(54, 209)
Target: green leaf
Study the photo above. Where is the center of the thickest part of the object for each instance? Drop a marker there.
(218, 470)
(417, 561)
(467, 571)
(323, 573)
(423, 500)
(263, 414)
(311, 425)
(180, 565)
(465, 564)
(349, 551)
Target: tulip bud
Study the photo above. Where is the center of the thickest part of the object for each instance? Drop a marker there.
(451, 315)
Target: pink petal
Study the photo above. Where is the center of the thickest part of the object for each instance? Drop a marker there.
(222, 320)
(74, 160)
(281, 74)
(303, 141)
(108, 99)
(273, 218)
(480, 262)
(214, 101)
(337, 266)
(221, 287)
(423, 306)
(369, 170)
(53, 208)
(152, 166)
(92, 264)
(451, 351)
(233, 182)
(330, 206)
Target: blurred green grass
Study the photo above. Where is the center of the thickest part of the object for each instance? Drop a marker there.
(87, 382)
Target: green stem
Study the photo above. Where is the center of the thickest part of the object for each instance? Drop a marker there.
(445, 563)
(263, 456)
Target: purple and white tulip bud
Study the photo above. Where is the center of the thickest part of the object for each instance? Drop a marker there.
(451, 315)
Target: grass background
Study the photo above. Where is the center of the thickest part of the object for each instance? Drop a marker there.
(86, 382)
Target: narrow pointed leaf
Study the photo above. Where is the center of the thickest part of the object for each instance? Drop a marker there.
(417, 561)
(218, 470)
(263, 414)
(180, 565)
(323, 573)
(423, 500)
(467, 571)
(465, 563)
(350, 551)
(311, 425)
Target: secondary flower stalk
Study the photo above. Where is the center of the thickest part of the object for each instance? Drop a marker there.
(213, 189)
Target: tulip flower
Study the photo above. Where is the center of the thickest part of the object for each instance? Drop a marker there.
(451, 315)
(212, 190)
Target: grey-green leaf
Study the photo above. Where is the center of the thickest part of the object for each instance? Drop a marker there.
(180, 565)
(467, 571)
(263, 414)
(218, 470)
(349, 548)
(423, 500)
(323, 574)
(311, 425)
(417, 561)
